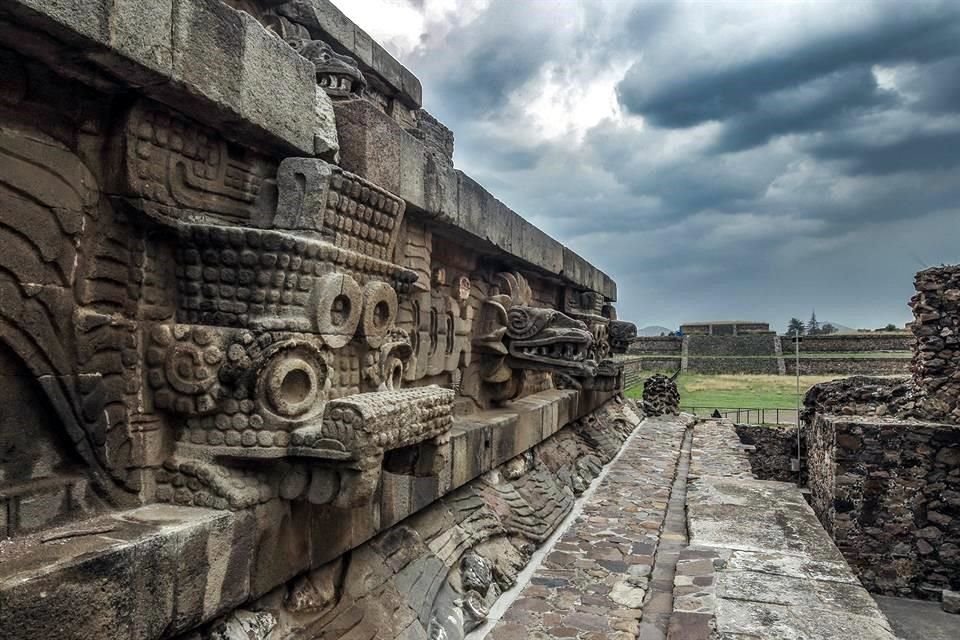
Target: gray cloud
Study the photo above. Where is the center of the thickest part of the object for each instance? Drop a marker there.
(766, 158)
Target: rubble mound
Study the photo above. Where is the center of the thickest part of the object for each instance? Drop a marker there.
(660, 396)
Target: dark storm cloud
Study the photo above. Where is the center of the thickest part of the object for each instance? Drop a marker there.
(936, 85)
(499, 53)
(824, 102)
(924, 152)
(768, 158)
(721, 90)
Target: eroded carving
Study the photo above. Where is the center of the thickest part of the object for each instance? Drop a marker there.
(514, 336)
(621, 335)
(178, 167)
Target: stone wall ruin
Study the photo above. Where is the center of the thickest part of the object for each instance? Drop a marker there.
(884, 457)
(252, 319)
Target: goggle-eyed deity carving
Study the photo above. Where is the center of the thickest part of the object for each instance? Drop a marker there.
(285, 321)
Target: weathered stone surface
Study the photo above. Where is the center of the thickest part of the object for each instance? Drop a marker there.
(880, 486)
(759, 562)
(950, 601)
(201, 53)
(239, 374)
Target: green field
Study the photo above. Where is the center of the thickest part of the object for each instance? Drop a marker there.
(732, 391)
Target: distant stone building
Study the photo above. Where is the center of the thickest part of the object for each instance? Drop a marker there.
(725, 328)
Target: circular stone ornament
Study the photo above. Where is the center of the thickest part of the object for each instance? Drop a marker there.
(379, 312)
(293, 382)
(337, 309)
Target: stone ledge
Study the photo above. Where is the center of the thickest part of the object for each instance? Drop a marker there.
(199, 56)
(374, 146)
(137, 578)
(161, 569)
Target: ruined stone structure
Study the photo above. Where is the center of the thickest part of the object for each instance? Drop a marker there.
(252, 318)
(884, 456)
(660, 396)
(725, 328)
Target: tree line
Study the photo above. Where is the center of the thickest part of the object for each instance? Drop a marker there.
(813, 327)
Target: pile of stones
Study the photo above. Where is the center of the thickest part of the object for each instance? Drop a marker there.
(936, 325)
(660, 396)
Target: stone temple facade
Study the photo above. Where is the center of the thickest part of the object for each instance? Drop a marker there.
(270, 363)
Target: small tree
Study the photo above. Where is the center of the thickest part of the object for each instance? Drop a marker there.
(813, 327)
(827, 329)
(889, 327)
(796, 328)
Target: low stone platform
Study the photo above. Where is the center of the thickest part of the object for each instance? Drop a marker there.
(759, 564)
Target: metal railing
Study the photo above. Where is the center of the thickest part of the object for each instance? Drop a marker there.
(748, 415)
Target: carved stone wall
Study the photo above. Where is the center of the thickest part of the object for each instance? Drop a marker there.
(223, 289)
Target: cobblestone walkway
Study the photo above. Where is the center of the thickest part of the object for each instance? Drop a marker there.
(594, 582)
(681, 542)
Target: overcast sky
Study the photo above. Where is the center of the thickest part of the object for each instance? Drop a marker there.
(742, 159)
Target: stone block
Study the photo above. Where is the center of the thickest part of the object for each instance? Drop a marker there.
(413, 170)
(950, 601)
(396, 498)
(537, 247)
(441, 189)
(70, 20)
(278, 87)
(37, 509)
(208, 41)
(582, 272)
(335, 531)
(283, 544)
(472, 453)
(370, 143)
(222, 551)
(154, 573)
(140, 31)
(484, 216)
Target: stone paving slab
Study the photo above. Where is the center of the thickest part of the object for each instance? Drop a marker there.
(594, 583)
(759, 564)
(919, 619)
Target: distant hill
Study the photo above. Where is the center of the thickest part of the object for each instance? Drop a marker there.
(839, 327)
(653, 331)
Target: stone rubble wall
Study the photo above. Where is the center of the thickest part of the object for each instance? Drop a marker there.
(732, 365)
(660, 396)
(936, 325)
(732, 346)
(848, 366)
(852, 343)
(773, 449)
(888, 491)
(660, 364)
(656, 345)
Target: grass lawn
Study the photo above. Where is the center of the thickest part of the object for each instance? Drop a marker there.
(732, 391)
